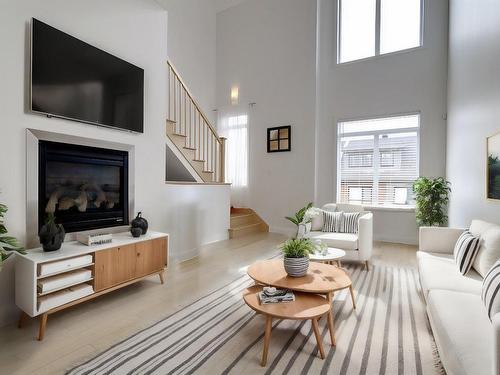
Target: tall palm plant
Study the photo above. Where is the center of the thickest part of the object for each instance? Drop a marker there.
(8, 244)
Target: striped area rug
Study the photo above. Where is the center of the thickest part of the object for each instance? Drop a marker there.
(219, 334)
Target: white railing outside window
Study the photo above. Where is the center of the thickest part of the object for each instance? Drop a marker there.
(378, 160)
(369, 28)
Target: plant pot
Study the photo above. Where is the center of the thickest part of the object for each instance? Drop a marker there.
(296, 267)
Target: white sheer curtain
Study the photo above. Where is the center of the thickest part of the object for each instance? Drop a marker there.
(233, 124)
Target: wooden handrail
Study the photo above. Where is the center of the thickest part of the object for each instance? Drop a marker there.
(188, 121)
(212, 129)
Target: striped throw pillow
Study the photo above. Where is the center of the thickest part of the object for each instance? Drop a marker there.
(465, 251)
(490, 293)
(332, 221)
(350, 222)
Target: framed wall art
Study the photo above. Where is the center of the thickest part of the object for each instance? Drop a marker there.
(493, 167)
(279, 139)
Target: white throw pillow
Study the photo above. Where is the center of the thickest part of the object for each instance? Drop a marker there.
(317, 221)
(489, 252)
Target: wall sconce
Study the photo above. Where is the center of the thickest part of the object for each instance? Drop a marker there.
(234, 95)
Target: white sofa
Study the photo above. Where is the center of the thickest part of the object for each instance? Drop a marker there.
(358, 244)
(468, 342)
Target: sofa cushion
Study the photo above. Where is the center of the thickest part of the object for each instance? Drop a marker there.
(317, 221)
(439, 271)
(489, 251)
(348, 207)
(462, 331)
(491, 290)
(347, 241)
(465, 251)
(350, 222)
(332, 221)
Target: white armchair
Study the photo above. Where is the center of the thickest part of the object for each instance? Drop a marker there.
(360, 244)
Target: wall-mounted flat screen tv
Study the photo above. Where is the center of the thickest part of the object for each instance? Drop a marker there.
(74, 80)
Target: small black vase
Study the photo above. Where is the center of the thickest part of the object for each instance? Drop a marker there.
(51, 235)
(140, 222)
(136, 231)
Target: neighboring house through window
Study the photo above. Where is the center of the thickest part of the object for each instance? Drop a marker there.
(378, 160)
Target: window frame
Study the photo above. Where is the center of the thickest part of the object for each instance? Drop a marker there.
(376, 133)
(377, 34)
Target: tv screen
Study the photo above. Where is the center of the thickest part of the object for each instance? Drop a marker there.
(74, 80)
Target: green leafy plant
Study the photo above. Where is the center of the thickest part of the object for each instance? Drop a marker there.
(299, 215)
(297, 248)
(8, 244)
(432, 195)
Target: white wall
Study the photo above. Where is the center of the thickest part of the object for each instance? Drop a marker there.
(398, 83)
(191, 47)
(473, 106)
(134, 30)
(267, 48)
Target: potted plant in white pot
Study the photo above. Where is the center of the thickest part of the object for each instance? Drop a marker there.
(296, 256)
(302, 219)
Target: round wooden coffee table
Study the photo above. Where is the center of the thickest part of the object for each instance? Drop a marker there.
(332, 255)
(307, 306)
(320, 279)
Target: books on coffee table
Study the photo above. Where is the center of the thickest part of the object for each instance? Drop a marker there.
(273, 295)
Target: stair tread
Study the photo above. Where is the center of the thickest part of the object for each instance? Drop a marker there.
(238, 215)
(208, 171)
(179, 135)
(171, 121)
(245, 226)
(189, 148)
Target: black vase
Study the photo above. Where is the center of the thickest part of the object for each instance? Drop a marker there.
(136, 231)
(140, 222)
(51, 236)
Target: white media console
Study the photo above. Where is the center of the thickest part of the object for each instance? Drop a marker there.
(47, 282)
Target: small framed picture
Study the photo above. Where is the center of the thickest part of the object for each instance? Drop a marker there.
(279, 139)
(493, 167)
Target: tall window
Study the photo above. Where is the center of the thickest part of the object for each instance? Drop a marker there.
(378, 160)
(373, 27)
(236, 133)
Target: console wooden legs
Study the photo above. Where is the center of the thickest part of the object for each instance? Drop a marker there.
(367, 265)
(162, 280)
(318, 338)
(43, 324)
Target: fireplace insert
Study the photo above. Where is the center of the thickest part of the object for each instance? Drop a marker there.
(84, 187)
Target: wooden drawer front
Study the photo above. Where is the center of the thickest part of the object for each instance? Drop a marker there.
(115, 266)
(151, 256)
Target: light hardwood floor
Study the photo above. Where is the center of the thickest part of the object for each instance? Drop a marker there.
(78, 333)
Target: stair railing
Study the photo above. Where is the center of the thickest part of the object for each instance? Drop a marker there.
(191, 122)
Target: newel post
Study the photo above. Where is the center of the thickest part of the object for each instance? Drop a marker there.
(222, 159)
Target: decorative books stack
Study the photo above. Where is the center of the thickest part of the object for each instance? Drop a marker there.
(273, 295)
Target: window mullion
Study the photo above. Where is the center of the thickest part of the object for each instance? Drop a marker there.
(377, 27)
(376, 169)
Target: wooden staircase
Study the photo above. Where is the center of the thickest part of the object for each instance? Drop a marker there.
(245, 221)
(192, 133)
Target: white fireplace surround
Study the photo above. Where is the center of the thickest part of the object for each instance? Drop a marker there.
(32, 138)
